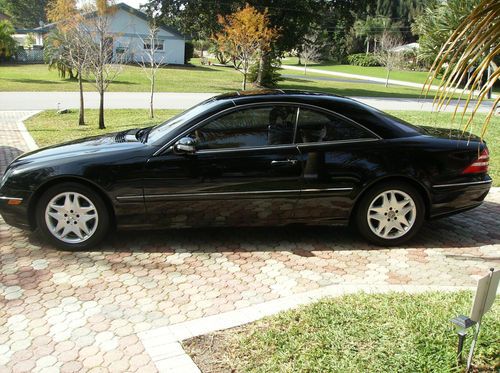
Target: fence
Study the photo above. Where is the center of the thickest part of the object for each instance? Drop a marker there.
(28, 56)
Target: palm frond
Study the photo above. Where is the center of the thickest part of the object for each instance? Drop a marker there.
(472, 46)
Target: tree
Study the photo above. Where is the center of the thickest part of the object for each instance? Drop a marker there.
(474, 44)
(71, 43)
(372, 29)
(310, 49)
(56, 54)
(7, 43)
(151, 61)
(101, 63)
(26, 13)
(245, 35)
(202, 45)
(436, 24)
(62, 12)
(387, 55)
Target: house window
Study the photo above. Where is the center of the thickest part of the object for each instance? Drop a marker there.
(157, 46)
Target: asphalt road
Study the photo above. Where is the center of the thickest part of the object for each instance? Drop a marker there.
(171, 100)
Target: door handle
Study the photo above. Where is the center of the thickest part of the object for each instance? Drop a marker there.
(290, 162)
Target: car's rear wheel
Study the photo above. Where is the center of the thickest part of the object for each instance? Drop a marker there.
(72, 216)
(390, 214)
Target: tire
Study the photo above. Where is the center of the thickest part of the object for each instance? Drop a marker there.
(72, 216)
(396, 211)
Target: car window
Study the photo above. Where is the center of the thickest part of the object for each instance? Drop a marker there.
(314, 126)
(251, 127)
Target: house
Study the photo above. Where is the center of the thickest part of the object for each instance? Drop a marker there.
(129, 28)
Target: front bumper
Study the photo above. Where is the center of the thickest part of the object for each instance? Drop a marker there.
(16, 214)
(448, 199)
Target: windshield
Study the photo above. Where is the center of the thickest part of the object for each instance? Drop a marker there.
(160, 131)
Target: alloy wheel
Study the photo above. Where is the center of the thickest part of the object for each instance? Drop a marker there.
(71, 217)
(391, 214)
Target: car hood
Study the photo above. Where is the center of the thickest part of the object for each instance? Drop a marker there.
(86, 147)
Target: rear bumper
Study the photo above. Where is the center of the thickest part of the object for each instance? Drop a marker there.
(448, 199)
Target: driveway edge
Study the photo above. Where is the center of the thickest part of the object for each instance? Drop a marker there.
(164, 344)
(28, 139)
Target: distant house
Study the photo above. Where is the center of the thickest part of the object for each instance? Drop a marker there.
(129, 28)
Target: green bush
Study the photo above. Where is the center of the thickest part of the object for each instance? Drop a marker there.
(188, 51)
(362, 59)
(270, 75)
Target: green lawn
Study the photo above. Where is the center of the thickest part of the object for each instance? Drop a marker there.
(196, 78)
(373, 71)
(49, 128)
(131, 79)
(354, 333)
(370, 71)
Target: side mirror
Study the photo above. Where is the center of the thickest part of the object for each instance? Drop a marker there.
(186, 145)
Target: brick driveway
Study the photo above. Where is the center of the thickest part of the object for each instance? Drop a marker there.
(79, 311)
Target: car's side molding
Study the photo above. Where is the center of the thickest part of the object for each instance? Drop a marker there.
(463, 184)
(209, 194)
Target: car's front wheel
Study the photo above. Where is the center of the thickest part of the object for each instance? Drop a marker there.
(72, 216)
(390, 214)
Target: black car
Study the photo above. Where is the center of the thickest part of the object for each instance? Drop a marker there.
(250, 159)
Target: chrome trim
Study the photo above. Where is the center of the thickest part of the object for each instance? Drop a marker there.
(124, 198)
(11, 198)
(462, 184)
(335, 142)
(168, 144)
(328, 189)
(155, 196)
(230, 150)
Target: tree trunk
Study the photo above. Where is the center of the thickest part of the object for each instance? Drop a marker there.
(151, 112)
(367, 45)
(101, 110)
(260, 74)
(387, 78)
(81, 116)
(244, 81)
(305, 67)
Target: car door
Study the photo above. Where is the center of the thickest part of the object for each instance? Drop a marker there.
(244, 171)
(335, 151)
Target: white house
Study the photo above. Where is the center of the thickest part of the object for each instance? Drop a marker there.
(129, 28)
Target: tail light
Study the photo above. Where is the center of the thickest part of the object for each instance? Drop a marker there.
(480, 165)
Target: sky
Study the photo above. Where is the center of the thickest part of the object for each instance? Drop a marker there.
(132, 3)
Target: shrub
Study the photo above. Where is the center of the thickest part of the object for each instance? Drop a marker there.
(188, 51)
(270, 75)
(362, 59)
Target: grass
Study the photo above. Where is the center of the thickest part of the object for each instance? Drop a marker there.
(48, 128)
(196, 78)
(354, 333)
(369, 71)
(373, 71)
